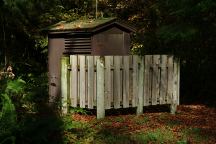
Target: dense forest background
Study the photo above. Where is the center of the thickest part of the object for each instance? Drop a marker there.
(184, 28)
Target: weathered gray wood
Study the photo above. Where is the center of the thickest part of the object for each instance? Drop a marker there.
(170, 79)
(163, 85)
(135, 81)
(178, 87)
(126, 81)
(90, 60)
(74, 80)
(155, 79)
(174, 101)
(82, 81)
(117, 82)
(140, 85)
(108, 84)
(100, 88)
(64, 83)
(147, 80)
(123, 84)
(95, 79)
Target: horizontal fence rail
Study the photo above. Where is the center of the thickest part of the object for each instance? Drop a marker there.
(120, 81)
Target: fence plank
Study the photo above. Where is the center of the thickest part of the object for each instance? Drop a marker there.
(82, 81)
(95, 78)
(126, 81)
(163, 85)
(135, 81)
(155, 79)
(64, 83)
(117, 82)
(108, 81)
(140, 86)
(147, 80)
(178, 87)
(100, 88)
(90, 90)
(74, 80)
(170, 79)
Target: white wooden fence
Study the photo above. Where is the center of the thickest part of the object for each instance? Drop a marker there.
(119, 82)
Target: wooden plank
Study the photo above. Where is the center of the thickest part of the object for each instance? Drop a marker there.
(117, 81)
(155, 79)
(82, 81)
(174, 100)
(64, 84)
(95, 80)
(108, 82)
(178, 88)
(147, 80)
(74, 80)
(100, 88)
(140, 86)
(126, 81)
(170, 79)
(90, 60)
(121, 80)
(135, 81)
(163, 85)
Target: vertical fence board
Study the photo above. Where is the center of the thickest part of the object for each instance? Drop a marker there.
(95, 79)
(90, 81)
(170, 79)
(117, 80)
(135, 81)
(64, 83)
(155, 81)
(108, 82)
(73, 80)
(100, 88)
(82, 82)
(147, 80)
(140, 85)
(163, 85)
(126, 81)
(178, 88)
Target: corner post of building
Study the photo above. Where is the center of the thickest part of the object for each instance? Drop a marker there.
(100, 87)
(64, 84)
(140, 85)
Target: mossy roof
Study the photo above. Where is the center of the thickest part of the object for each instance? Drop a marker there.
(85, 25)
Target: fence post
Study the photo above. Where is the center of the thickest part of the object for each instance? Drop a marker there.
(64, 84)
(174, 100)
(100, 88)
(140, 85)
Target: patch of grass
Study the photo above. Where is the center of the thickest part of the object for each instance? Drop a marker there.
(195, 134)
(79, 111)
(172, 123)
(141, 120)
(119, 119)
(156, 136)
(108, 137)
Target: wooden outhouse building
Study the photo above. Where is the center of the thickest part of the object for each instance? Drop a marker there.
(104, 36)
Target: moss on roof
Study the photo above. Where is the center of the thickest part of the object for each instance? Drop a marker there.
(80, 24)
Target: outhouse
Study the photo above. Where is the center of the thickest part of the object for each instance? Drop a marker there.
(104, 36)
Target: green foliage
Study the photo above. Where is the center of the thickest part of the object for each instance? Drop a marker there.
(78, 111)
(158, 135)
(10, 89)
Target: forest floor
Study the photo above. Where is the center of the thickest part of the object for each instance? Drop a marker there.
(191, 124)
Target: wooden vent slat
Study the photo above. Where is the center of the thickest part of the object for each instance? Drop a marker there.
(78, 45)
